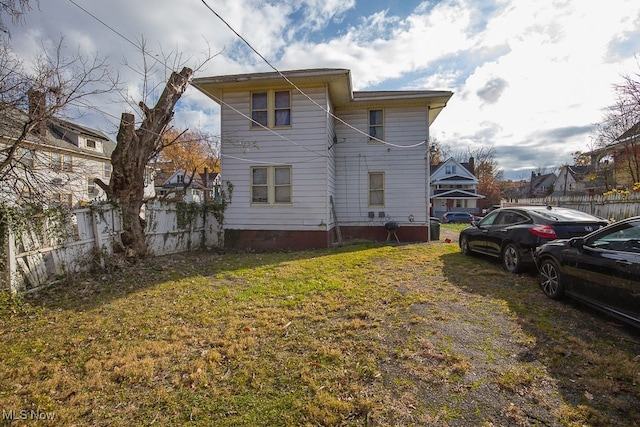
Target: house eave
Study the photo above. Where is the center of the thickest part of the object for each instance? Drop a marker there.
(338, 81)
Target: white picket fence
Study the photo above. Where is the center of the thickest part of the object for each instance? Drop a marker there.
(614, 207)
(35, 259)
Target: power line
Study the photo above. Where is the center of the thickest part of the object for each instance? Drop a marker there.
(326, 110)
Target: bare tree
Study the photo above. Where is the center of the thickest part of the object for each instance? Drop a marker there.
(620, 129)
(135, 148)
(15, 10)
(30, 97)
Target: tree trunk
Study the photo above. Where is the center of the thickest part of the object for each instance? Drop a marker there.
(129, 160)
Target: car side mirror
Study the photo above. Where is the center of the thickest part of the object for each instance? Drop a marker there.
(577, 242)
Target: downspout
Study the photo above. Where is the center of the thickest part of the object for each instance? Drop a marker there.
(427, 157)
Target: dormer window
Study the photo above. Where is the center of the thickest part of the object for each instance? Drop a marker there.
(91, 144)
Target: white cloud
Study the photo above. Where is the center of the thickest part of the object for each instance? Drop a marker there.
(519, 70)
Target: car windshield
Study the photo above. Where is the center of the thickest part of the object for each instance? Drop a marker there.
(489, 219)
(622, 237)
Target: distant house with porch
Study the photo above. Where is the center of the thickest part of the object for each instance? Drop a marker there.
(454, 187)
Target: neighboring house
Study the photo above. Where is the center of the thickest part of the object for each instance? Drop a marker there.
(63, 159)
(624, 169)
(454, 187)
(197, 189)
(575, 181)
(541, 185)
(313, 166)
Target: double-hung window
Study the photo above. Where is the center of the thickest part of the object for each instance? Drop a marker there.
(271, 185)
(376, 125)
(26, 157)
(61, 162)
(376, 189)
(271, 108)
(91, 186)
(107, 170)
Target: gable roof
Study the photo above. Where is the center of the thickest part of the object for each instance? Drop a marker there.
(542, 180)
(462, 173)
(338, 81)
(457, 194)
(56, 133)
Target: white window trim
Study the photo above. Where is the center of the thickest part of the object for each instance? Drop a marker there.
(271, 109)
(369, 189)
(271, 186)
(370, 125)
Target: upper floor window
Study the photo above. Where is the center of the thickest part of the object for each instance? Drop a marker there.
(450, 169)
(271, 184)
(271, 108)
(61, 162)
(180, 179)
(376, 124)
(107, 170)
(26, 157)
(376, 188)
(91, 144)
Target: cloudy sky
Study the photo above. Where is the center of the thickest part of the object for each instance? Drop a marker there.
(530, 78)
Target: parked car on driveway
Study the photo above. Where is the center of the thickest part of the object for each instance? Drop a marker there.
(601, 269)
(512, 234)
(457, 217)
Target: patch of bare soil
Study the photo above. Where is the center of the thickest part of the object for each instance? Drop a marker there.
(492, 350)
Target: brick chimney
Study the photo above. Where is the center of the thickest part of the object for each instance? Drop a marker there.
(37, 107)
(472, 165)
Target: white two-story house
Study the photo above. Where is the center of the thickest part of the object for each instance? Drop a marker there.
(61, 160)
(454, 187)
(312, 162)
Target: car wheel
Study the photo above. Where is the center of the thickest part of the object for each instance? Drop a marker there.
(464, 245)
(511, 258)
(550, 279)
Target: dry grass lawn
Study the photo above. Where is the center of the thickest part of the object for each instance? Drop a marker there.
(364, 335)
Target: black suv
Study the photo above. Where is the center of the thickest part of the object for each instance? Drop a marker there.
(513, 233)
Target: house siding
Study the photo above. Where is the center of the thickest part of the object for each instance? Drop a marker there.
(404, 168)
(305, 150)
(330, 160)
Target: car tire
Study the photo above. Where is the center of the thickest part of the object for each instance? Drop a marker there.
(511, 258)
(464, 246)
(551, 280)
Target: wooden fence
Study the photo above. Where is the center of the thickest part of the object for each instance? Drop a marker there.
(613, 207)
(43, 254)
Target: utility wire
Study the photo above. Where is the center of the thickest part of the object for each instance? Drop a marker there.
(326, 110)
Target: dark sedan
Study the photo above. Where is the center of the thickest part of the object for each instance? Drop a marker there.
(601, 269)
(512, 234)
